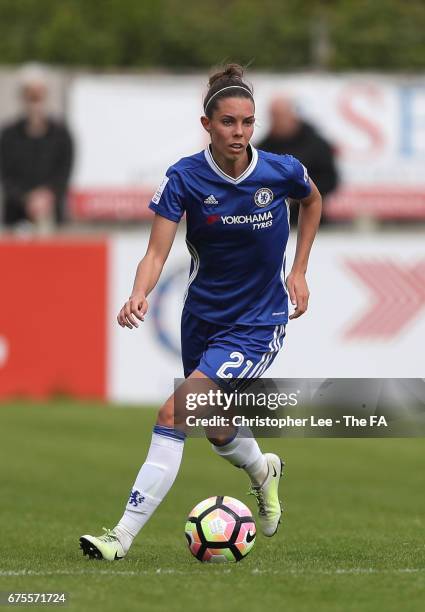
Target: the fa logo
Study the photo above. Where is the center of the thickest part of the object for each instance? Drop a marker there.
(136, 498)
(263, 197)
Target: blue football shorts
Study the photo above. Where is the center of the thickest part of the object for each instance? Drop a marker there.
(228, 352)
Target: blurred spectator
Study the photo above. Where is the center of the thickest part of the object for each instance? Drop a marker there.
(291, 134)
(35, 158)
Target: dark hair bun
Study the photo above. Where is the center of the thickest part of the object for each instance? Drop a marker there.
(225, 83)
(230, 72)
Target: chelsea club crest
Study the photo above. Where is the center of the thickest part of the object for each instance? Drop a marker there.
(263, 197)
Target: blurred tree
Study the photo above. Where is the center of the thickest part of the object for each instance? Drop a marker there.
(386, 34)
(278, 35)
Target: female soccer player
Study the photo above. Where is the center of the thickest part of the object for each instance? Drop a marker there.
(236, 307)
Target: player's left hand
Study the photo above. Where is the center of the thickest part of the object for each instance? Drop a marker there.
(298, 293)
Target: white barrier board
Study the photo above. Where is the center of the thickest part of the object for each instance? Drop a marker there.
(366, 316)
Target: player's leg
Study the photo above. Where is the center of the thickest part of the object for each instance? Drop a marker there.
(154, 480)
(242, 450)
(158, 472)
(264, 471)
(254, 349)
(155, 477)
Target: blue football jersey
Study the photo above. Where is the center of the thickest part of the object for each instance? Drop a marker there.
(237, 231)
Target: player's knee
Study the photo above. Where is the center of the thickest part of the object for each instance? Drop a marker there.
(218, 441)
(221, 439)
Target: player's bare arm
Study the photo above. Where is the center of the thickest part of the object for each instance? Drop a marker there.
(308, 222)
(148, 272)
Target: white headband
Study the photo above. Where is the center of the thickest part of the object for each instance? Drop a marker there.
(224, 88)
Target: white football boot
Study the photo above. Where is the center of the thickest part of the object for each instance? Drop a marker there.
(267, 495)
(106, 546)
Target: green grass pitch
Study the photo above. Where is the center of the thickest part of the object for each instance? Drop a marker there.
(352, 537)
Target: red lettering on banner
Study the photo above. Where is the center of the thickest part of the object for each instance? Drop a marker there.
(348, 111)
(53, 318)
(111, 203)
(398, 297)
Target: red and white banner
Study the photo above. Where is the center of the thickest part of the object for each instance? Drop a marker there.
(130, 129)
(110, 204)
(60, 298)
(376, 202)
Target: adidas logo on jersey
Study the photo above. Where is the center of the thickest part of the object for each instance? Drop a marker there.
(211, 201)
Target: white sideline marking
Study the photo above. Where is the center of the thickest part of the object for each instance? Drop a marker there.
(293, 572)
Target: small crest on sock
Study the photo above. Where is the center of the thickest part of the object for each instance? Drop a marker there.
(136, 498)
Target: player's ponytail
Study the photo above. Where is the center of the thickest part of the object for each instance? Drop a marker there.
(225, 83)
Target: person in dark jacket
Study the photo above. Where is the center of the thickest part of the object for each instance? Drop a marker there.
(290, 134)
(36, 153)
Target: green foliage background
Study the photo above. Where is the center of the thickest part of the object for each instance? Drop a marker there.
(177, 34)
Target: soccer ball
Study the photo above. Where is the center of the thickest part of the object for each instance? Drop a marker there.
(220, 529)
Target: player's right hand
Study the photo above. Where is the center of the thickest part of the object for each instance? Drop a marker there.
(135, 308)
